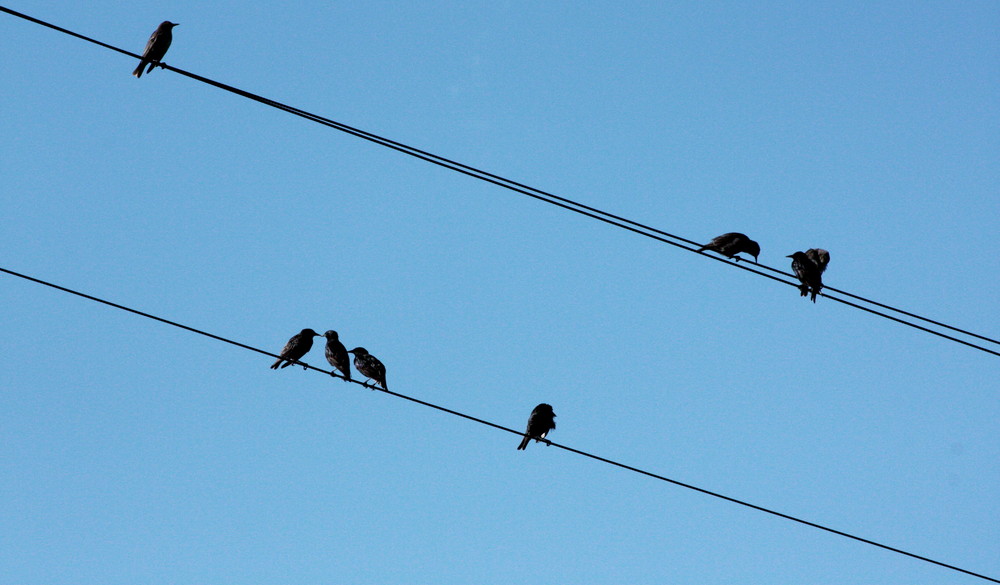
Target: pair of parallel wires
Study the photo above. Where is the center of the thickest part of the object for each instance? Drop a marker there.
(570, 205)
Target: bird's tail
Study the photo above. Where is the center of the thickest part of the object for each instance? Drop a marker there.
(524, 442)
(275, 365)
(815, 291)
(138, 70)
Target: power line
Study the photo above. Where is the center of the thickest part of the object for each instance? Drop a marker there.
(509, 430)
(562, 202)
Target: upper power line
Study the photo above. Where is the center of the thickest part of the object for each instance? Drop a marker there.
(503, 428)
(562, 202)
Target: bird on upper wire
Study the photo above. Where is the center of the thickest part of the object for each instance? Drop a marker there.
(297, 347)
(156, 47)
(808, 268)
(541, 421)
(369, 367)
(336, 354)
(731, 244)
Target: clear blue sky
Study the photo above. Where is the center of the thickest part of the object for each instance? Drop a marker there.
(133, 452)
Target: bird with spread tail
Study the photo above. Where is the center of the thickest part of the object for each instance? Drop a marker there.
(297, 347)
(336, 354)
(731, 244)
(369, 366)
(541, 421)
(156, 47)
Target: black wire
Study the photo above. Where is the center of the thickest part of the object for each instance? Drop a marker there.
(538, 194)
(509, 430)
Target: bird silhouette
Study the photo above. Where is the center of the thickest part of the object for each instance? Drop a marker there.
(820, 257)
(541, 421)
(808, 272)
(369, 366)
(336, 354)
(297, 347)
(156, 47)
(731, 244)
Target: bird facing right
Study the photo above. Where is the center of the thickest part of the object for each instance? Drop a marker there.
(541, 421)
(369, 366)
(297, 347)
(731, 244)
(156, 47)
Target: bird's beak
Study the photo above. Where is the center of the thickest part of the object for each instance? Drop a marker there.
(789, 256)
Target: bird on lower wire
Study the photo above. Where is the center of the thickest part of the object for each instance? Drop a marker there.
(808, 272)
(336, 354)
(541, 421)
(731, 244)
(369, 366)
(297, 347)
(156, 47)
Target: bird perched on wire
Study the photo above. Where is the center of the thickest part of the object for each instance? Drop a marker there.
(297, 347)
(541, 421)
(156, 47)
(369, 366)
(731, 244)
(336, 354)
(809, 271)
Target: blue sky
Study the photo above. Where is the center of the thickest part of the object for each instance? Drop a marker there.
(133, 452)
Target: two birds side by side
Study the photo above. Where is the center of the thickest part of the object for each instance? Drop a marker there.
(808, 266)
(299, 345)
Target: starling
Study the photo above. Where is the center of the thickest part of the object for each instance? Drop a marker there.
(731, 244)
(369, 366)
(541, 421)
(808, 272)
(336, 354)
(298, 346)
(820, 257)
(156, 48)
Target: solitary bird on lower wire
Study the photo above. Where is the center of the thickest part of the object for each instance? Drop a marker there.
(297, 347)
(336, 354)
(156, 48)
(809, 273)
(541, 421)
(731, 244)
(369, 366)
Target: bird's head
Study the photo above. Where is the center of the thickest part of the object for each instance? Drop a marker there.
(331, 335)
(753, 248)
(359, 351)
(309, 332)
(798, 256)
